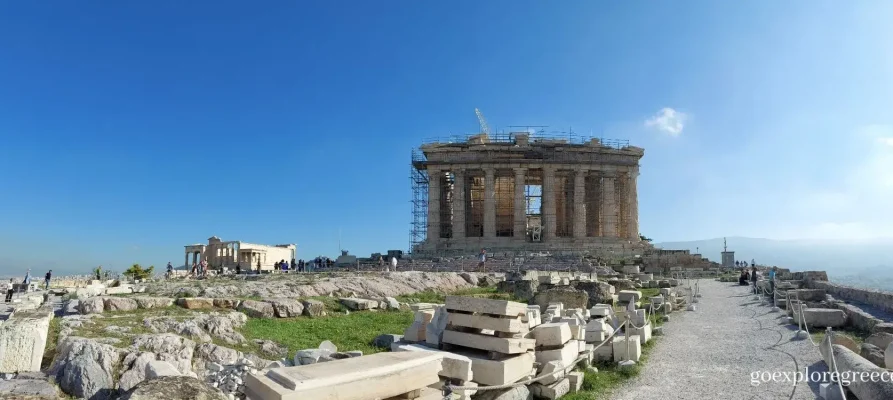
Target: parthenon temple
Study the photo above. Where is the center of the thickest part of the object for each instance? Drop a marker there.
(523, 192)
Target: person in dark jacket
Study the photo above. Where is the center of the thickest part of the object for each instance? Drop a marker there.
(742, 280)
(753, 279)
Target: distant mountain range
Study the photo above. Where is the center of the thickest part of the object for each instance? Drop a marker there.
(863, 263)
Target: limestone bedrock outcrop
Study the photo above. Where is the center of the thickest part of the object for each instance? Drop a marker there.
(83, 368)
(173, 388)
(375, 285)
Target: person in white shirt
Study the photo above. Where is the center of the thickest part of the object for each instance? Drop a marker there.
(394, 263)
(9, 291)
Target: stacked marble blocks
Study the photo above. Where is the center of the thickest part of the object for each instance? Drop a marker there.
(492, 333)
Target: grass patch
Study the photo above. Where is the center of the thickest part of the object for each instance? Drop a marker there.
(857, 336)
(49, 352)
(649, 292)
(354, 331)
(609, 377)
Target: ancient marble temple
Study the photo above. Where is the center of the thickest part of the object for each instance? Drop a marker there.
(525, 192)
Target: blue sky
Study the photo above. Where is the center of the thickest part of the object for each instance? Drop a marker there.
(128, 130)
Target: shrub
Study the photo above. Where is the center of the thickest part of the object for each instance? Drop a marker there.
(137, 272)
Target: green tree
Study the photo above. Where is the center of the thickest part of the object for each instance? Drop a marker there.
(137, 272)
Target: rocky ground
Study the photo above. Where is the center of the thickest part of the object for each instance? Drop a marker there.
(103, 347)
(369, 284)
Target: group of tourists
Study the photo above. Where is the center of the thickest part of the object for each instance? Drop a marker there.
(298, 265)
(391, 267)
(198, 269)
(10, 287)
(753, 276)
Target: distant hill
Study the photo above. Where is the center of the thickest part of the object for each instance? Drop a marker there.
(842, 260)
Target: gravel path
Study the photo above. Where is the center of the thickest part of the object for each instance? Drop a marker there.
(711, 353)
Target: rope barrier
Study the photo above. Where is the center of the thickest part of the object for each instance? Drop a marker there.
(830, 334)
(803, 326)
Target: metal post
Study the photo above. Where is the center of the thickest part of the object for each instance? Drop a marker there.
(628, 333)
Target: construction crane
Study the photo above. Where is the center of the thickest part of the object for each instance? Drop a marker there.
(485, 129)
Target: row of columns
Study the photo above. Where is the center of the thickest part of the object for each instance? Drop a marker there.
(608, 203)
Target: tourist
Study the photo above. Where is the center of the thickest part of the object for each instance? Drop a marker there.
(46, 280)
(482, 259)
(381, 263)
(772, 273)
(742, 280)
(258, 266)
(294, 265)
(27, 280)
(238, 268)
(9, 290)
(194, 270)
(753, 279)
(99, 273)
(394, 263)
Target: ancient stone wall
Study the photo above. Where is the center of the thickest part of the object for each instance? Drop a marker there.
(876, 298)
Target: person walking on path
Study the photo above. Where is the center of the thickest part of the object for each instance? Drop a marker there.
(482, 259)
(9, 290)
(46, 280)
(27, 280)
(753, 279)
(394, 263)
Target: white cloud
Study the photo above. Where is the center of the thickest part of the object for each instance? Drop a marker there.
(668, 120)
(886, 140)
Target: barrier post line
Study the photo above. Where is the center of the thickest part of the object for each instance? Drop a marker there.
(830, 334)
(626, 330)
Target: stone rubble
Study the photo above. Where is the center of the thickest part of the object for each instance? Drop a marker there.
(485, 342)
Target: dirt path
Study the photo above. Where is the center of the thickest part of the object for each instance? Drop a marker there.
(712, 353)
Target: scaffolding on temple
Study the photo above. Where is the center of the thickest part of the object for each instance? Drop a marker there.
(419, 180)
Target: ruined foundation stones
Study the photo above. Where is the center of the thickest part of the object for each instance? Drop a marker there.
(23, 340)
(381, 375)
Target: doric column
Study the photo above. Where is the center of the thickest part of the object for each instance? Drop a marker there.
(520, 227)
(610, 212)
(186, 262)
(549, 222)
(459, 204)
(580, 203)
(633, 199)
(434, 179)
(489, 202)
